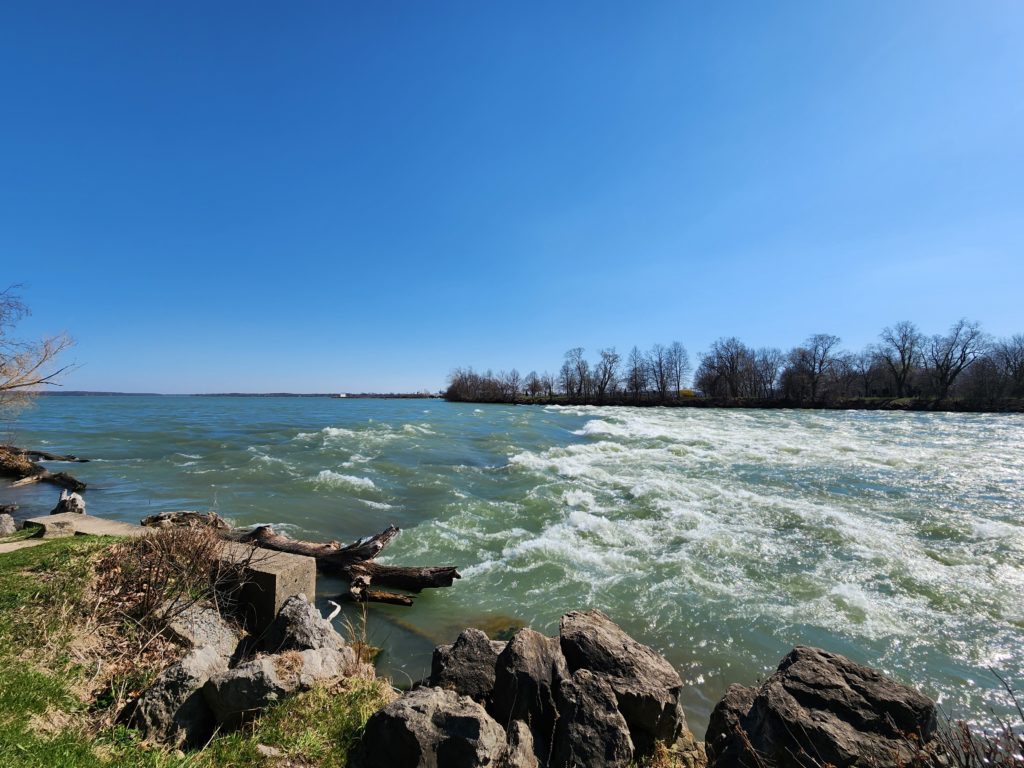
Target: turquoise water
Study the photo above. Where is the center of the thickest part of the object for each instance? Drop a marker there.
(722, 538)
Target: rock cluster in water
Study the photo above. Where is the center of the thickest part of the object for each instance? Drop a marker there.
(592, 696)
(595, 697)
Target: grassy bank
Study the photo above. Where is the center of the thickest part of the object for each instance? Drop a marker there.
(61, 683)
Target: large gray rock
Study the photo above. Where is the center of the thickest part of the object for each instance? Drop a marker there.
(69, 502)
(299, 626)
(431, 728)
(173, 710)
(646, 686)
(7, 526)
(819, 708)
(467, 666)
(527, 676)
(201, 625)
(237, 694)
(590, 731)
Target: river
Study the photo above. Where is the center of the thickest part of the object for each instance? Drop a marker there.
(720, 537)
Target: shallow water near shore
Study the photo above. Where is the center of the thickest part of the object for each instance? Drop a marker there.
(720, 537)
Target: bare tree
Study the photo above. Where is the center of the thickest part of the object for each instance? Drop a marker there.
(766, 364)
(1009, 356)
(678, 366)
(567, 378)
(947, 356)
(547, 381)
(865, 366)
(657, 364)
(722, 369)
(25, 365)
(511, 383)
(636, 373)
(579, 370)
(606, 373)
(821, 348)
(533, 384)
(899, 351)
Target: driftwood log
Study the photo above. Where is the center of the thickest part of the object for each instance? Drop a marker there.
(17, 463)
(353, 562)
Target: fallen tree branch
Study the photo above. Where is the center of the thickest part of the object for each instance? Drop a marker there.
(17, 463)
(353, 562)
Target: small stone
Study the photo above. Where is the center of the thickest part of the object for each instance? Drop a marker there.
(7, 526)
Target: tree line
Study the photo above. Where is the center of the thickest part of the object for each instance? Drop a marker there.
(963, 366)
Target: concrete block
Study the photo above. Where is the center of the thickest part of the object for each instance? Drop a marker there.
(71, 523)
(270, 578)
(51, 527)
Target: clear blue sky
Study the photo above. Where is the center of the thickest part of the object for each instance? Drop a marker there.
(321, 196)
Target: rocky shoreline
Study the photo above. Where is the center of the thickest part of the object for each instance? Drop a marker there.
(592, 696)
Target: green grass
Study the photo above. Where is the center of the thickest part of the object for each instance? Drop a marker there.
(44, 723)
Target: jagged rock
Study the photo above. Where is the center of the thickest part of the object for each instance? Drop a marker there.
(527, 675)
(584, 698)
(173, 709)
(431, 728)
(646, 686)
(201, 625)
(300, 627)
(69, 502)
(239, 693)
(467, 666)
(590, 730)
(521, 752)
(819, 708)
(7, 526)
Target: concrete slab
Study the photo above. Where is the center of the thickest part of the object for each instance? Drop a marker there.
(71, 524)
(270, 579)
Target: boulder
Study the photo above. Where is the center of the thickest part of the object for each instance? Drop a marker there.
(173, 709)
(237, 694)
(646, 686)
(299, 626)
(7, 526)
(430, 728)
(201, 625)
(520, 751)
(590, 730)
(467, 666)
(69, 502)
(528, 673)
(819, 708)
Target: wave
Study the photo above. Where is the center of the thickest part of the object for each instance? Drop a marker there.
(334, 479)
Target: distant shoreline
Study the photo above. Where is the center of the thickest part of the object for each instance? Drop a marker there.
(333, 395)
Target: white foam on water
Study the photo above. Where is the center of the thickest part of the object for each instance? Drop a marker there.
(332, 479)
(376, 504)
(878, 528)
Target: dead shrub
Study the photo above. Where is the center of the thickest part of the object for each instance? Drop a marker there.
(149, 581)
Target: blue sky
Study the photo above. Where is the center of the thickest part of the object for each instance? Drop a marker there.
(354, 196)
